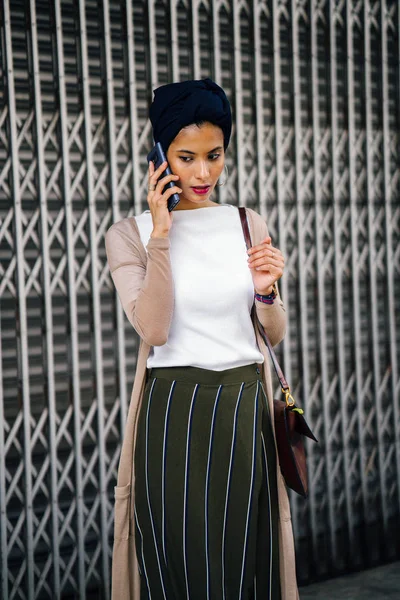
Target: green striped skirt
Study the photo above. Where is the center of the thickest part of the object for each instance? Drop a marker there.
(206, 507)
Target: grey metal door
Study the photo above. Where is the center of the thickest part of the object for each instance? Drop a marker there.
(315, 90)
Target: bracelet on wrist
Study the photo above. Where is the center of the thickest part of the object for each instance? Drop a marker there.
(266, 299)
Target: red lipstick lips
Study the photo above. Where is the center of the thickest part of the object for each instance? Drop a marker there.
(201, 190)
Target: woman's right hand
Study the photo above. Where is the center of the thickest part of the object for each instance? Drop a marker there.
(158, 201)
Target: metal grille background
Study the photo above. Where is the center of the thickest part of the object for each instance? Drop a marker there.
(316, 96)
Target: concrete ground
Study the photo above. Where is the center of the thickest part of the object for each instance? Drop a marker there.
(375, 584)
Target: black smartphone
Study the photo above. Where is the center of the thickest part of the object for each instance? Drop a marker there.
(158, 157)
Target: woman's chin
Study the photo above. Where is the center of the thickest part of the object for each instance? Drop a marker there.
(193, 199)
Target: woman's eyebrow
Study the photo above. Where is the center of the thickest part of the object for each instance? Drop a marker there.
(209, 152)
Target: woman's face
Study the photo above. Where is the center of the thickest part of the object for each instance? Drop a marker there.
(197, 156)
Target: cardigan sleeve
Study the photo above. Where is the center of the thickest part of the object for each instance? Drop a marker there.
(272, 316)
(145, 290)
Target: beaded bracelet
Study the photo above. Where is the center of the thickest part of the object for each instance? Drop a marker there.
(268, 299)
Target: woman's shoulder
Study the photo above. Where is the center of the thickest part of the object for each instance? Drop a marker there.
(123, 227)
(123, 238)
(130, 227)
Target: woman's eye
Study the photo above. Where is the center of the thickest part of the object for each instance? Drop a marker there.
(213, 156)
(185, 158)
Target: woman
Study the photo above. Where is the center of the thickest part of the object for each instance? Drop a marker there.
(206, 513)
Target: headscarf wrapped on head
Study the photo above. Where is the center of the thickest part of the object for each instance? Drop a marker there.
(177, 105)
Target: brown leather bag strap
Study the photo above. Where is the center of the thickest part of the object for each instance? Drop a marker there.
(279, 372)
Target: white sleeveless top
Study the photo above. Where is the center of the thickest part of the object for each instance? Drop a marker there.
(211, 326)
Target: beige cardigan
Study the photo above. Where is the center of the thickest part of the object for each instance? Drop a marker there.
(145, 287)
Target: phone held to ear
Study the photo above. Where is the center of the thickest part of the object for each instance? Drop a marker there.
(158, 157)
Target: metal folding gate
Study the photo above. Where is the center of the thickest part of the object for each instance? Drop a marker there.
(315, 90)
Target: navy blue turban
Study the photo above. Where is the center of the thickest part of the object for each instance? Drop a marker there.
(177, 105)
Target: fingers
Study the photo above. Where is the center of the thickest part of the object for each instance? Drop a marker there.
(157, 196)
(155, 183)
(156, 191)
(163, 182)
(271, 265)
(156, 174)
(267, 261)
(265, 244)
(265, 251)
(263, 255)
(159, 199)
(170, 191)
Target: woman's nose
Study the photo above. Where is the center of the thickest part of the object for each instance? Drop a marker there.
(202, 171)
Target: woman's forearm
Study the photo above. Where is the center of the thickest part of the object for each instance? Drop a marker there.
(273, 318)
(152, 312)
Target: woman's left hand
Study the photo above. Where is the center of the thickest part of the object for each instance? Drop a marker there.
(266, 264)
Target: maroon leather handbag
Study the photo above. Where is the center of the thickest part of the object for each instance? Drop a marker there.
(290, 424)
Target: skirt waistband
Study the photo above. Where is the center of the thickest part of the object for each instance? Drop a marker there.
(205, 376)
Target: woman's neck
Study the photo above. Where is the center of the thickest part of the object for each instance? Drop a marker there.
(192, 206)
